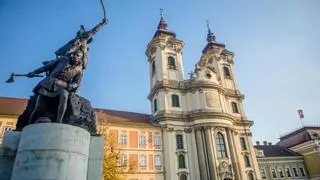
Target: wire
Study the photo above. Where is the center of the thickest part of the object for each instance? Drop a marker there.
(104, 10)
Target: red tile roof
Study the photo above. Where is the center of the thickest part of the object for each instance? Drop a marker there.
(12, 106)
(16, 106)
(113, 116)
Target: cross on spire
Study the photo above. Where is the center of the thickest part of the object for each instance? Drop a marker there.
(210, 36)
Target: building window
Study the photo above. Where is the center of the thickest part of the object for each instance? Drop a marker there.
(226, 71)
(123, 139)
(5, 129)
(234, 107)
(143, 160)
(183, 177)
(143, 140)
(123, 160)
(157, 160)
(179, 139)
(247, 161)
(175, 100)
(263, 174)
(250, 176)
(155, 105)
(156, 140)
(171, 63)
(181, 161)
(243, 143)
(274, 174)
(221, 146)
(302, 171)
(153, 68)
(280, 172)
(288, 172)
(295, 172)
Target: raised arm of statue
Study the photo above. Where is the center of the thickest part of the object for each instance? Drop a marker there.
(99, 26)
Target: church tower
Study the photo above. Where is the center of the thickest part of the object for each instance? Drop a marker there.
(205, 132)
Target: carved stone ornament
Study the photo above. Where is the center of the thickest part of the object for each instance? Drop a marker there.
(170, 129)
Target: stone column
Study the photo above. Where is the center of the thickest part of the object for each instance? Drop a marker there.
(52, 151)
(201, 155)
(233, 152)
(210, 153)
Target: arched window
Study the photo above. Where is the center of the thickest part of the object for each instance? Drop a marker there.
(171, 63)
(288, 172)
(234, 107)
(181, 161)
(226, 72)
(175, 100)
(153, 67)
(280, 172)
(246, 161)
(179, 139)
(155, 106)
(274, 174)
(183, 177)
(250, 176)
(243, 143)
(221, 146)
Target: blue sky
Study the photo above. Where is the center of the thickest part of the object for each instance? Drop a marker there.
(275, 43)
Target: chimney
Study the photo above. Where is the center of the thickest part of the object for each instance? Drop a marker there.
(265, 143)
(258, 143)
(270, 143)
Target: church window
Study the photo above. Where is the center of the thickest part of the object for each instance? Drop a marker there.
(234, 107)
(181, 161)
(153, 67)
(250, 176)
(226, 71)
(171, 63)
(179, 139)
(288, 172)
(280, 172)
(175, 100)
(295, 172)
(143, 160)
(243, 143)
(274, 174)
(246, 161)
(221, 146)
(157, 160)
(155, 106)
(123, 139)
(302, 172)
(263, 174)
(183, 177)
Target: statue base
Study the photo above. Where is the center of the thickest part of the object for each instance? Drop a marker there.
(51, 151)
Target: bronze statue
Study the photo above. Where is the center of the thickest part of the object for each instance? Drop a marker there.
(55, 97)
(64, 77)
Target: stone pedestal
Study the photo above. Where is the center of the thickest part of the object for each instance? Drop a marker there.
(56, 152)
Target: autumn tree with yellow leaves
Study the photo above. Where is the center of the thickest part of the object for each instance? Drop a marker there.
(113, 166)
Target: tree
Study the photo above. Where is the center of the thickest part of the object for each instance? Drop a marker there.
(114, 166)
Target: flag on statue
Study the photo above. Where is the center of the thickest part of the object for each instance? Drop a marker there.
(300, 112)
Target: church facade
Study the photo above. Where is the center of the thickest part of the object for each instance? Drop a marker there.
(206, 134)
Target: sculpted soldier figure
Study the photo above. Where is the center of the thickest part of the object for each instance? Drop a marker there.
(64, 77)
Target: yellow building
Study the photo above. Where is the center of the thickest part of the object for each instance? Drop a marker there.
(10, 109)
(305, 141)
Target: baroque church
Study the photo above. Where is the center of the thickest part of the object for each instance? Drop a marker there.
(197, 129)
